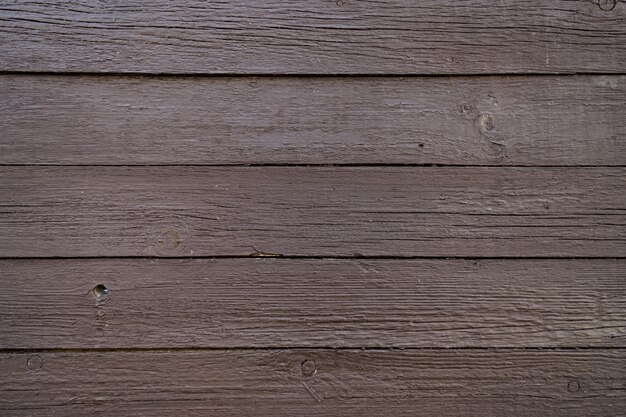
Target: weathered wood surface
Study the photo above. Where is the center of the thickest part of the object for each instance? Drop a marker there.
(316, 36)
(314, 382)
(312, 211)
(288, 290)
(170, 303)
(168, 120)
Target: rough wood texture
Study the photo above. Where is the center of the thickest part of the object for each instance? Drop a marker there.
(312, 303)
(540, 172)
(319, 382)
(316, 36)
(469, 121)
(312, 211)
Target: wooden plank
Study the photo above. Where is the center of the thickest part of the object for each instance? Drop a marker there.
(314, 37)
(312, 211)
(314, 382)
(468, 121)
(216, 303)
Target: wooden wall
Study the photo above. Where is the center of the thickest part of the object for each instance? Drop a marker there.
(338, 208)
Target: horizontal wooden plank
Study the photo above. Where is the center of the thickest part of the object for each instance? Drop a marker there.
(312, 211)
(469, 121)
(151, 303)
(314, 382)
(316, 36)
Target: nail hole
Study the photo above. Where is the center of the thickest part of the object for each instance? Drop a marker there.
(573, 386)
(421, 145)
(607, 5)
(34, 362)
(100, 290)
(308, 368)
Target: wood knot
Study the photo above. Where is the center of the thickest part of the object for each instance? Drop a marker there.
(339, 2)
(170, 240)
(485, 122)
(467, 111)
(308, 368)
(573, 386)
(34, 363)
(607, 5)
(170, 237)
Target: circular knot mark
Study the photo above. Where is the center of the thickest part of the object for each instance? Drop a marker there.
(35, 362)
(170, 239)
(573, 386)
(309, 368)
(607, 5)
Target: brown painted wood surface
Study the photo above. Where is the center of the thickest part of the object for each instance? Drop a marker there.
(312, 211)
(265, 302)
(412, 120)
(314, 37)
(314, 382)
(330, 208)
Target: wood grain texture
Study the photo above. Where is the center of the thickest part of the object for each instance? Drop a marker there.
(319, 382)
(312, 211)
(156, 303)
(314, 37)
(288, 290)
(460, 120)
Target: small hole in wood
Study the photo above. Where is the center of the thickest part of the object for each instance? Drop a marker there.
(100, 290)
(421, 145)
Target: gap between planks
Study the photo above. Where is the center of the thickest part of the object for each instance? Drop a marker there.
(310, 348)
(305, 75)
(258, 255)
(298, 165)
